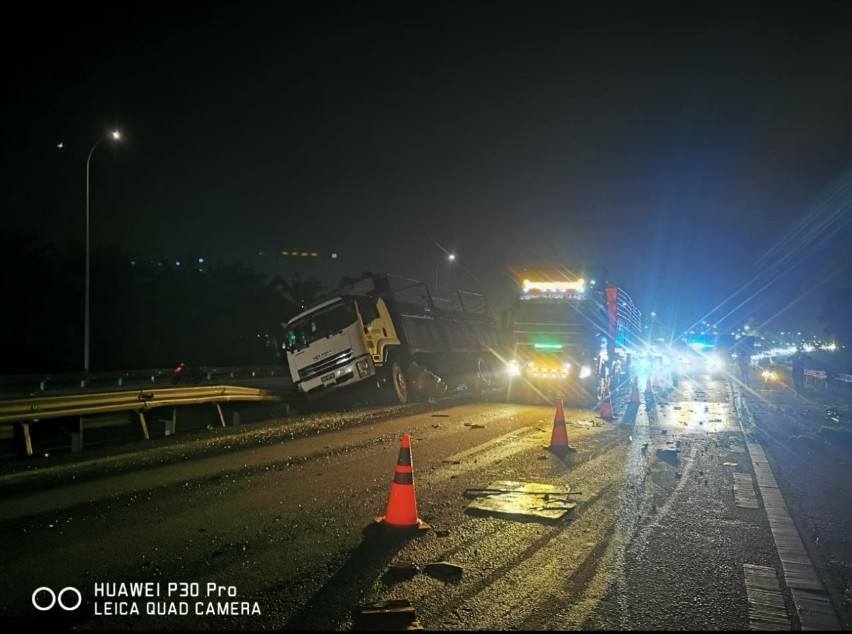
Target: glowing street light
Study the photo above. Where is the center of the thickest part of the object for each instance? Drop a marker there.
(115, 135)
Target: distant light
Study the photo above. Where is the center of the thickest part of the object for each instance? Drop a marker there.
(116, 135)
(548, 346)
(60, 145)
(201, 260)
(553, 287)
(177, 263)
(592, 283)
(333, 256)
(452, 257)
(653, 314)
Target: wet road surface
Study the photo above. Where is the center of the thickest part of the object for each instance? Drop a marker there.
(657, 539)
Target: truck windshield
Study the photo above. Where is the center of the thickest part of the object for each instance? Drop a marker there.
(318, 324)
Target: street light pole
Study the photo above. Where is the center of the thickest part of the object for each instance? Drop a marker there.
(116, 135)
(451, 257)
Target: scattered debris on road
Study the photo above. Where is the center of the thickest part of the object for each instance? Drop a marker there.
(443, 570)
(392, 614)
(668, 454)
(524, 499)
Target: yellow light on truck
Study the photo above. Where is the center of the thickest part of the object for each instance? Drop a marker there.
(554, 287)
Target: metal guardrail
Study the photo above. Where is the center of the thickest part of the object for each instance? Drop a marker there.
(50, 382)
(34, 409)
(46, 407)
(822, 375)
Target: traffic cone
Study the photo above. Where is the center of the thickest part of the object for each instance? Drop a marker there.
(606, 407)
(559, 437)
(402, 505)
(634, 393)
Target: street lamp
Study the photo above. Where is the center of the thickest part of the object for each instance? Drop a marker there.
(115, 135)
(451, 257)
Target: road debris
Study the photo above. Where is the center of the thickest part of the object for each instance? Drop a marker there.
(521, 499)
(668, 454)
(474, 425)
(391, 614)
(443, 570)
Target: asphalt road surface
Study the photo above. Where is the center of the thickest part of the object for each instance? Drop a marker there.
(656, 539)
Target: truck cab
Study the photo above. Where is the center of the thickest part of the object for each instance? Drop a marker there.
(338, 342)
(393, 332)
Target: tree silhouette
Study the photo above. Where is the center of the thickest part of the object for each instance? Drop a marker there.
(145, 313)
(300, 292)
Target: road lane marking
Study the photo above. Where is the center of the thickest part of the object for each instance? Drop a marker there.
(513, 435)
(744, 494)
(766, 609)
(809, 594)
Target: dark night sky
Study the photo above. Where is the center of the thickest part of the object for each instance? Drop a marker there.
(675, 145)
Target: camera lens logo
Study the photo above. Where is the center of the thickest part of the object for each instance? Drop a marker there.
(65, 599)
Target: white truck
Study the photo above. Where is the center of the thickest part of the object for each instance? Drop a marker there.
(395, 334)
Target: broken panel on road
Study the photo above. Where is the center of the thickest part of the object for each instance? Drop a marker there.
(521, 499)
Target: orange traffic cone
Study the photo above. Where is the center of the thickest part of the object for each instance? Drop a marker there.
(606, 407)
(559, 437)
(634, 393)
(402, 505)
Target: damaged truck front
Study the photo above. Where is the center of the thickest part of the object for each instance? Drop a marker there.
(393, 334)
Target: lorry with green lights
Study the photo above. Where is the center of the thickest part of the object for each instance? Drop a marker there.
(565, 337)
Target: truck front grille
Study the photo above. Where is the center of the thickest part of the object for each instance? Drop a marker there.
(325, 365)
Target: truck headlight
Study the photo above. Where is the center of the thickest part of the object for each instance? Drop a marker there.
(715, 363)
(585, 372)
(513, 368)
(363, 367)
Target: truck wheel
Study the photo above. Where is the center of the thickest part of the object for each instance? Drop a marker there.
(398, 384)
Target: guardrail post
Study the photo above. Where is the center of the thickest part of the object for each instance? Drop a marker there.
(22, 432)
(235, 418)
(221, 416)
(143, 424)
(77, 437)
(171, 425)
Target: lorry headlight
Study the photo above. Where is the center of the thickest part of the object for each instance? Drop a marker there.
(513, 368)
(585, 372)
(363, 367)
(715, 363)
